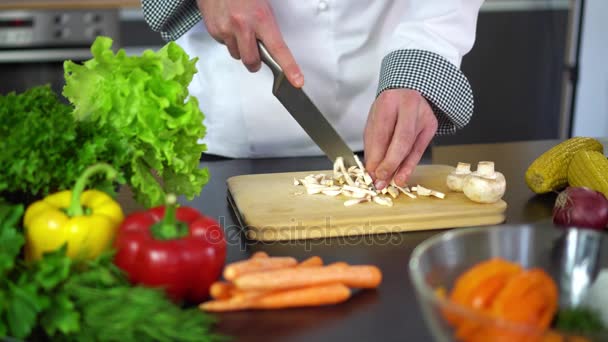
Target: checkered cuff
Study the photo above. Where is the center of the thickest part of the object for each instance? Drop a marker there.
(171, 18)
(439, 81)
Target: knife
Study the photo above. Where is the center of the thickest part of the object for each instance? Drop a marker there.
(303, 110)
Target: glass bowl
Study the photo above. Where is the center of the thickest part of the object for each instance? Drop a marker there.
(574, 258)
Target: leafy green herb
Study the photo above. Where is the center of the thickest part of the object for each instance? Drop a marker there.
(68, 300)
(579, 321)
(11, 240)
(43, 149)
(144, 98)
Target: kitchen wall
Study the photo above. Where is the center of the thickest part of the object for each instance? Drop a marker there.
(515, 71)
(591, 106)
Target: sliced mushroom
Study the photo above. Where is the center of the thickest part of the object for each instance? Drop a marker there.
(332, 192)
(368, 179)
(438, 194)
(328, 182)
(392, 191)
(351, 202)
(358, 189)
(422, 191)
(355, 183)
(383, 201)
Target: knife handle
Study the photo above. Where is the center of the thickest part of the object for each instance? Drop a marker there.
(268, 60)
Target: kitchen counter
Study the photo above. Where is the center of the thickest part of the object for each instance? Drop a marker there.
(68, 4)
(390, 313)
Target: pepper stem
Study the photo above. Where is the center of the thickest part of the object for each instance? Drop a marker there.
(75, 209)
(169, 227)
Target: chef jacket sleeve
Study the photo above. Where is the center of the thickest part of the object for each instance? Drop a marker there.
(425, 53)
(172, 18)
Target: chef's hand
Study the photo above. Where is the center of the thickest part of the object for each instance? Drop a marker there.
(238, 23)
(399, 128)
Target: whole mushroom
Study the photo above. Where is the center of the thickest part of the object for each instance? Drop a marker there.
(485, 185)
(455, 179)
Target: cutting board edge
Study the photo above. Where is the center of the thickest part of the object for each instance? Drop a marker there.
(270, 235)
(498, 208)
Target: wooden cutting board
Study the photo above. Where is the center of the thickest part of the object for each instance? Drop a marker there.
(270, 209)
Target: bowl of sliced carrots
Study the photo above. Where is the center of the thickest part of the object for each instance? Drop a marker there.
(535, 283)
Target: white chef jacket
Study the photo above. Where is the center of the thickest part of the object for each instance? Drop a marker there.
(340, 45)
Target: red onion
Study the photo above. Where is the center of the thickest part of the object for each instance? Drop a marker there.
(581, 207)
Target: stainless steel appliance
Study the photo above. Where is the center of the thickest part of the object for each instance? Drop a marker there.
(34, 43)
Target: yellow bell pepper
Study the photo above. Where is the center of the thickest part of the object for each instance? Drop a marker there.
(87, 221)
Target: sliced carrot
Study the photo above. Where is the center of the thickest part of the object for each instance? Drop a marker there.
(221, 290)
(484, 294)
(530, 297)
(326, 294)
(258, 264)
(360, 276)
(313, 261)
(469, 283)
(505, 290)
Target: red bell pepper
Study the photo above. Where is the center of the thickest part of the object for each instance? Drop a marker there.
(178, 249)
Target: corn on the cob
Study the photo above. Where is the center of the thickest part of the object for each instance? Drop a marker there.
(589, 169)
(549, 172)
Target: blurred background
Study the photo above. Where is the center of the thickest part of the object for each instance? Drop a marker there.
(537, 68)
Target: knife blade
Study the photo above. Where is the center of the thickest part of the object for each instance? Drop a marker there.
(308, 116)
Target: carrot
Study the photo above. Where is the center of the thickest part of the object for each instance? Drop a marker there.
(480, 284)
(220, 305)
(240, 295)
(326, 294)
(338, 264)
(258, 264)
(361, 276)
(311, 262)
(308, 296)
(260, 254)
(530, 297)
(468, 284)
(221, 290)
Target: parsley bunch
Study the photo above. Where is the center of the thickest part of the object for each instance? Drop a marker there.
(43, 149)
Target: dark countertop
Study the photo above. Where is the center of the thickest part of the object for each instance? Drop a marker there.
(390, 313)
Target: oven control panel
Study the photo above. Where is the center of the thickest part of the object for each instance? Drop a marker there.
(52, 28)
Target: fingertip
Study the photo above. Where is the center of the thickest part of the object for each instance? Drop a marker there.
(297, 80)
(400, 179)
(402, 176)
(382, 174)
(380, 184)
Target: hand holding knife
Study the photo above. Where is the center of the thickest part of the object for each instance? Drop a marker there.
(303, 110)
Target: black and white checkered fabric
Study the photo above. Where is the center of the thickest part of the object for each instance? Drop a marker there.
(439, 81)
(171, 18)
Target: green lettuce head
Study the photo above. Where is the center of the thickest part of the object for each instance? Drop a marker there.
(145, 99)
